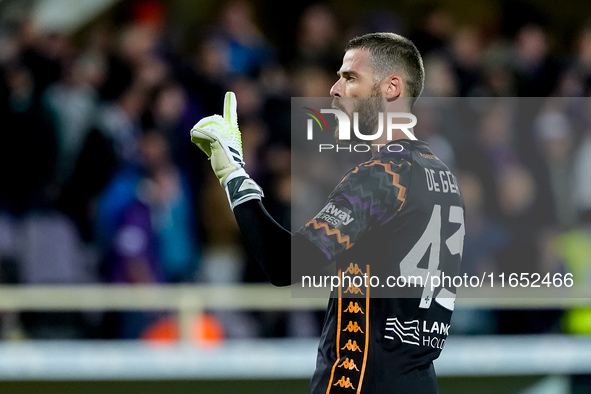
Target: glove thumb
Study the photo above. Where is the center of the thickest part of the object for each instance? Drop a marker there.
(230, 104)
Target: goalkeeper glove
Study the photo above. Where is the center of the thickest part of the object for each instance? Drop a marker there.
(220, 139)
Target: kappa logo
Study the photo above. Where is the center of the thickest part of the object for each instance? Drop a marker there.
(353, 269)
(345, 383)
(349, 364)
(407, 332)
(353, 327)
(354, 307)
(335, 216)
(352, 346)
(353, 290)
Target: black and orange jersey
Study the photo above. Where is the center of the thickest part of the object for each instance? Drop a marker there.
(393, 222)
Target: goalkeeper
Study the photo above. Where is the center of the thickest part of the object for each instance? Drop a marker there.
(388, 214)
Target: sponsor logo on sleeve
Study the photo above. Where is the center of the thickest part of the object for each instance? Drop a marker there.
(336, 216)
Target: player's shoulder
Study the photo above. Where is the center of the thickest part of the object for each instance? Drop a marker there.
(380, 177)
(379, 168)
(395, 157)
(392, 162)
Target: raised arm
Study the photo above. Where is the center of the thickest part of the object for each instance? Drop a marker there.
(268, 242)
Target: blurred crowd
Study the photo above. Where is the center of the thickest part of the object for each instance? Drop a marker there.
(100, 183)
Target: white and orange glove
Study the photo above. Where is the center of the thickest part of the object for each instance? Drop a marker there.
(220, 139)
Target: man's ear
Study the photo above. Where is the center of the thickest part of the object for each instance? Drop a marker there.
(393, 86)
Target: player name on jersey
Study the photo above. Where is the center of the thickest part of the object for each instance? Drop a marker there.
(441, 181)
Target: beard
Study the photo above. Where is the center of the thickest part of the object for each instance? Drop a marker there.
(369, 109)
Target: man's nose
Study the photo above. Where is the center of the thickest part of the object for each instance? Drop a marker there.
(335, 91)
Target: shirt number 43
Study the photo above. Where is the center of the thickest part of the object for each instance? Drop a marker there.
(430, 242)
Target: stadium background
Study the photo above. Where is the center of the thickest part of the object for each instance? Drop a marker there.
(100, 185)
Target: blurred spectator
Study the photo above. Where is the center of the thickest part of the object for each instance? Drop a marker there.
(498, 78)
(118, 73)
(576, 79)
(28, 145)
(582, 166)
(516, 189)
(376, 19)
(171, 111)
(582, 64)
(205, 74)
(440, 78)
(433, 31)
(312, 81)
(555, 138)
(535, 69)
(488, 151)
(247, 49)
(167, 111)
(317, 39)
(78, 196)
(73, 103)
(152, 233)
(120, 121)
(41, 52)
(466, 48)
(145, 219)
(487, 236)
(523, 252)
(166, 192)
(430, 130)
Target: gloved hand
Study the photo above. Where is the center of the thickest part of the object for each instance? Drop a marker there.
(220, 139)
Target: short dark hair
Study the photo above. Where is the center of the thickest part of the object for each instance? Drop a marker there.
(391, 53)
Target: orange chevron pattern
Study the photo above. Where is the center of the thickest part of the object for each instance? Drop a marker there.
(395, 179)
(330, 231)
